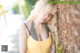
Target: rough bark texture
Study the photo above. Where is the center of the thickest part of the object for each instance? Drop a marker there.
(67, 19)
(69, 28)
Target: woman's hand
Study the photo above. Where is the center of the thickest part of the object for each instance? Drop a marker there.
(46, 18)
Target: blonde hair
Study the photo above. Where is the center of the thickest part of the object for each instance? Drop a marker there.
(40, 9)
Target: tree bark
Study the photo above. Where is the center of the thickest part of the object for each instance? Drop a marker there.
(69, 27)
(66, 23)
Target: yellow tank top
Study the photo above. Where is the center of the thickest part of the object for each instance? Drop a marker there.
(34, 46)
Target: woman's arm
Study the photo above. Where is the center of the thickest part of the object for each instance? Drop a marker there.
(52, 50)
(23, 39)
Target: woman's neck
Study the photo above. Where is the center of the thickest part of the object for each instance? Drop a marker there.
(40, 28)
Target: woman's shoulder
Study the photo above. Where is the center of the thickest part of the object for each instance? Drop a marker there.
(24, 28)
(27, 22)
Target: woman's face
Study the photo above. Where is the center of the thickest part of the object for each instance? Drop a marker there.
(46, 13)
(46, 18)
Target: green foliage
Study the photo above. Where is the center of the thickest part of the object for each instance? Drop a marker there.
(0, 6)
(63, 2)
(32, 2)
(28, 7)
(59, 47)
(16, 8)
(53, 1)
(2, 10)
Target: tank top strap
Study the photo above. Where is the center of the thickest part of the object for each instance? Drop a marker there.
(27, 28)
(32, 31)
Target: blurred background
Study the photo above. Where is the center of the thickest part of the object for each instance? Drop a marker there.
(12, 14)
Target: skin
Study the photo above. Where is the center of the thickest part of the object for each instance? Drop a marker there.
(23, 32)
(46, 18)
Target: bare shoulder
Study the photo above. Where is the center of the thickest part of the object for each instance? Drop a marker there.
(23, 30)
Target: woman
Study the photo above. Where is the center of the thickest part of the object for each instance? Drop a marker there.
(34, 35)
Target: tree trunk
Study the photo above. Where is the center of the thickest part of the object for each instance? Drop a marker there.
(66, 23)
(69, 28)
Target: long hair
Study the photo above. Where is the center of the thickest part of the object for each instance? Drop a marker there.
(41, 8)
